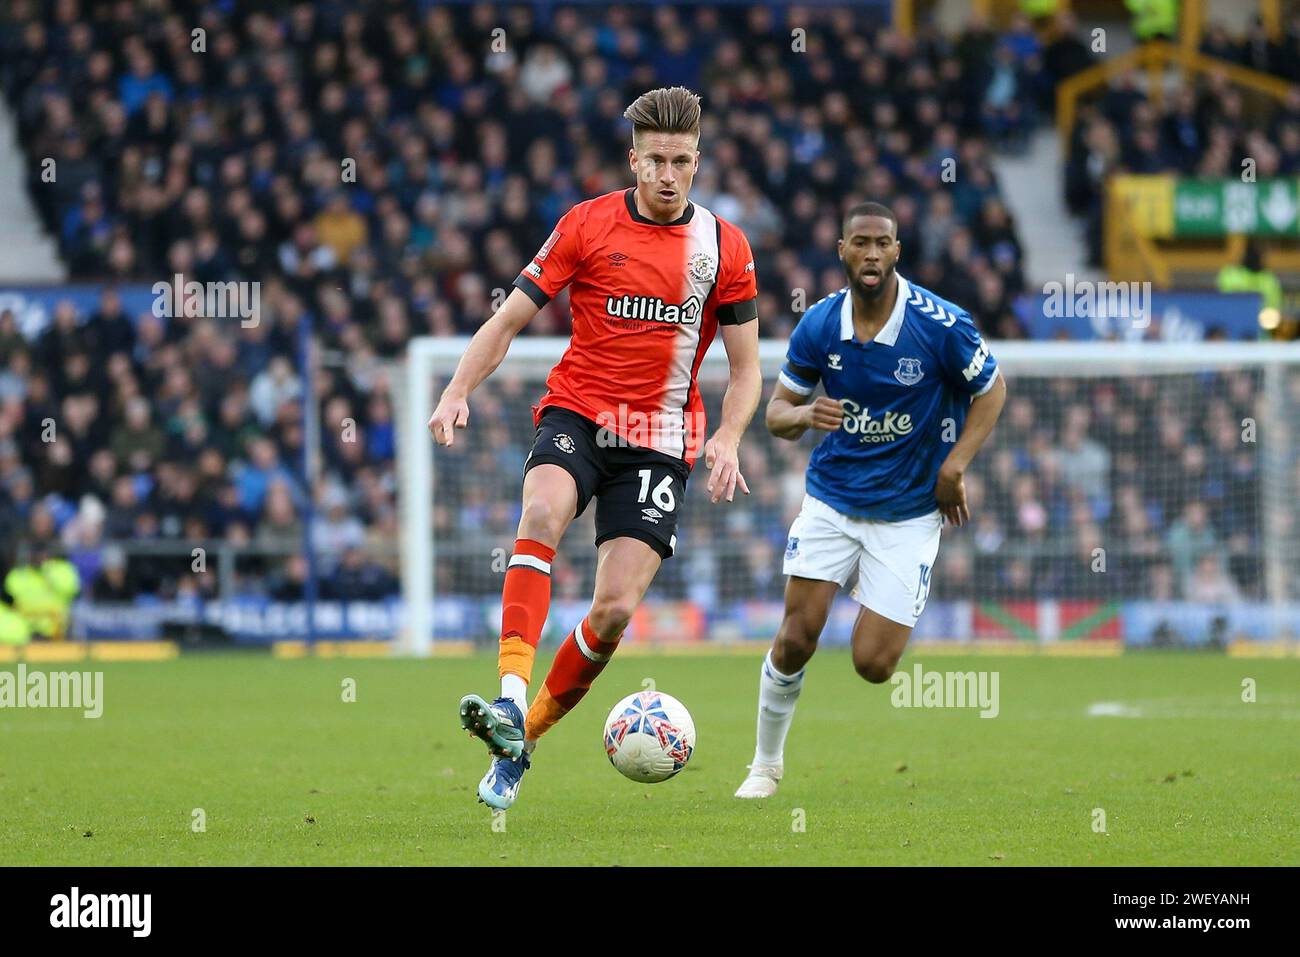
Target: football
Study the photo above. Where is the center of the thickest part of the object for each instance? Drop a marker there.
(649, 736)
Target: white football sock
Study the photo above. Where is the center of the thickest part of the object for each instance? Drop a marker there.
(777, 694)
(516, 689)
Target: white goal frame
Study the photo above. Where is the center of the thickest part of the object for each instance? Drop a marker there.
(427, 357)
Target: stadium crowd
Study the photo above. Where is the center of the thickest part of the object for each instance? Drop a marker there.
(470, 129)
(1204, 128)
(1152, 470)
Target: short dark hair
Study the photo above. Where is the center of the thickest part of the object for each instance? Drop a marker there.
(869, 209)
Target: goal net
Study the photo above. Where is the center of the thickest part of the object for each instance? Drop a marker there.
(1144, 493)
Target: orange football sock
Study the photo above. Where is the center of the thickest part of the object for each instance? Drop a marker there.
(580, 659)
(525, 602)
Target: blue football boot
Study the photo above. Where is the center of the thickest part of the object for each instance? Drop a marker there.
(500, 786)
(499, 725)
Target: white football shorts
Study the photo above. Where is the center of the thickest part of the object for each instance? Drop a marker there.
(888, 564)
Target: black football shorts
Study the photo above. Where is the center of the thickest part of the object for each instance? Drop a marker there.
(639, 492)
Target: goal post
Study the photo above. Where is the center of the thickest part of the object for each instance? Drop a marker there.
(1084, 500)
(430, 363)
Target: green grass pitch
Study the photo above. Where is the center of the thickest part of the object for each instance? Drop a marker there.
(285, 772)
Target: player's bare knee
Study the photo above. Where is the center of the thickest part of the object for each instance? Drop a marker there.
(609, 616)
(541, 520)
(796, 641)
(875, 669)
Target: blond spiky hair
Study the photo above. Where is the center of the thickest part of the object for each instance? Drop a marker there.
(665, 110)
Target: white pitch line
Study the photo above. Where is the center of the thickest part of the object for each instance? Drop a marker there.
(1112, 709)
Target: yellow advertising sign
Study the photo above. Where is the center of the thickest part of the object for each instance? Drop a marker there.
(1150, 203)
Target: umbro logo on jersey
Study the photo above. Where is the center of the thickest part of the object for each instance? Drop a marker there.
(652, 515)
(833, 360)
(909, 371)
(565, 443)
(617, 258)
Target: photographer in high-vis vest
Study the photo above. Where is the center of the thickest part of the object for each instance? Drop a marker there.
(1250, 276)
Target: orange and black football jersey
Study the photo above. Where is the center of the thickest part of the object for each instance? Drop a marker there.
(646, 300)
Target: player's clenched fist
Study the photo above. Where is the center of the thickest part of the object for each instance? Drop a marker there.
(452, 411)
(825, 414)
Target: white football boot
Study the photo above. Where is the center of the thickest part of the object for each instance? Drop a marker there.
(761, 782)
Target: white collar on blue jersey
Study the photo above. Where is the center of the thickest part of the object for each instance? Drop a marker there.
(888, 333)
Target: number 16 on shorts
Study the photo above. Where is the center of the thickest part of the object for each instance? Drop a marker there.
(662, 496)
(642, 502)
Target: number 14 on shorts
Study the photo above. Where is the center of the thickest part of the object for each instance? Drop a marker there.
(922, 588)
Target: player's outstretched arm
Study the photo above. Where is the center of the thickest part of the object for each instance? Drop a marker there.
(485, 352)
(744, 389)
(789, 414)
(950, 489)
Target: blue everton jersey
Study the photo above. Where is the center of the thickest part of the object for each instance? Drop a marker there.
(904, 394)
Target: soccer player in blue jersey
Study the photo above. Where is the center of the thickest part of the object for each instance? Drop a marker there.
(912, 392)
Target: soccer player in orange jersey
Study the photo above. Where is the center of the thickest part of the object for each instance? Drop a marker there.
(652, 277)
